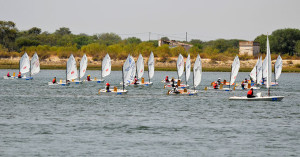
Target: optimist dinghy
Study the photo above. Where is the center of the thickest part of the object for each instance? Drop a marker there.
(277, 70)
(268, 75)
(197, 74)
(127, 69)
(71, 73)
(24, 67)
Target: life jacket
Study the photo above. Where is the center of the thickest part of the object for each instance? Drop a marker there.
(8, 75)
(19, 75)
(54, 81)
(167, 79)
(215, 85)
(88, 78)
(250, 92)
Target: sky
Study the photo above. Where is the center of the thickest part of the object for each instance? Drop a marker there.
(201, 19)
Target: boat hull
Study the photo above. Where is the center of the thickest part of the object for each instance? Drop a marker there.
(118, 92)
(181, 92)
(265, 98)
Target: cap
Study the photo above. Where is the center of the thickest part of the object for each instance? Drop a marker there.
(107, 83)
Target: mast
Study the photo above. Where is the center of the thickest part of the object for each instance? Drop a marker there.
(193, 79)
(123, 78)
(19, 65)
(256, 74)
(185, 76)
(66, 73)
(230, 77)
(30, 69)
(79, 72)
(177, 73)
(101, 70)
(137, 75)
(275, 73)
(148, 73)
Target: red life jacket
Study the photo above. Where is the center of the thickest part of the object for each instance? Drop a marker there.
(54, 81)
(215, 85)
(19, 75)
(8, 75)
(88, 78)
(250, 92)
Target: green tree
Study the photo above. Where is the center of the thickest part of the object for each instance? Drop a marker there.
(197, 43)
(8, 34)
(284, 40)
(23, 41)
(133, 40)
(109, 38)
(63, 31)
(165, 38)
(297, 47)
(34, 31)
(262, 39)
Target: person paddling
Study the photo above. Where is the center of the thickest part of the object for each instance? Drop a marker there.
(250, 93)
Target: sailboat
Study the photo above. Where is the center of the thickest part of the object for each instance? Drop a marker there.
(140, 70)
(268, 76)
(277, 70)
(127, 76)
(151, 64)
(34, 66)
(24, 67)
(235, 67)
(82, 69)
(197, 74)
(180, 68)
(71, 72)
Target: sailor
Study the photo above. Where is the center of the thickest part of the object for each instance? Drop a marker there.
(219, 81)
(54, 80)
(167, 79)
(215, 85)
(176, 89)
(173, 82)
(8, 74)
(250, 93)
(19, 75)
(107, 87)
(246, 81)
(88, 78)
(243, 85)
(135, 80)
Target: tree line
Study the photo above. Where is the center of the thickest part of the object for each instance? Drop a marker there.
(62, 43)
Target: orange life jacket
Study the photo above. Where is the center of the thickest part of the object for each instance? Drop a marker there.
(54, 81)
(215, 85)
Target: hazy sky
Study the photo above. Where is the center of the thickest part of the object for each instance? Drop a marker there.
(205, 20)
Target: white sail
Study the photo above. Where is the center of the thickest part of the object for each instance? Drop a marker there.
(140, 66)
(197, 71)
(188, 67)
(128, 69)
(151, 65)
(35, 64)
(253, 72)
(24, 64)
(278, 67)
(106, 66)
(264, 68)
(83, 65)
(71, 68)
(259, 71)
(269, 65)
(235, 69)
(180, 65)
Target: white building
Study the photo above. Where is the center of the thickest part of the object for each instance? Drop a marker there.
(249, 48)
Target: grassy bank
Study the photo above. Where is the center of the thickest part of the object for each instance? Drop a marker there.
(116, 68)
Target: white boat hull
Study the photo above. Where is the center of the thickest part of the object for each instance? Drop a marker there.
(182, 86)
(223, 89)
(93, 80)
(181, 92)
(56, 84)
(264, 98)
(118, 92)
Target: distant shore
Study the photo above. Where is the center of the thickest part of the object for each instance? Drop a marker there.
(207, 64)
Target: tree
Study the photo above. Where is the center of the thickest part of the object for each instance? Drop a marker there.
(8, 34)
(109, 38)
(262, 39)
(197, 43)
(133, 40)
(284, 40)
(63, 31)
(165, 39)
(297, 47)
(34, 31)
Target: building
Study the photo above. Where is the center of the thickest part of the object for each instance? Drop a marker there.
(249, 48)
(173, 43)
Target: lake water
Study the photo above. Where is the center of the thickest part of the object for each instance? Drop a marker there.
(39, 120)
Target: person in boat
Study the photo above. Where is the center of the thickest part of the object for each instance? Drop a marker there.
(88, 78)
(173, 82)
(176, 89)
(215, 85)
(107, 87)
(250, 93)
(54, 80)
(135, 80)
(219, 81)
(167, 79)
(243, 85)
(8, 75)
(19, 75)
(224, 82)
(246, 80)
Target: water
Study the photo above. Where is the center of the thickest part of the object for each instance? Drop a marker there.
(38, 120)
